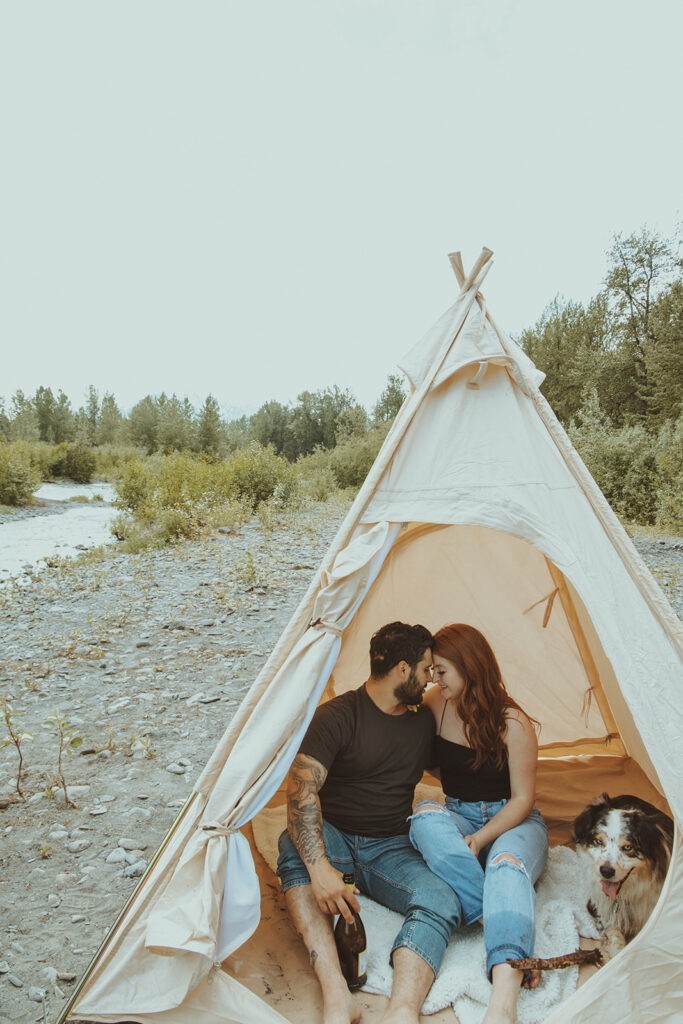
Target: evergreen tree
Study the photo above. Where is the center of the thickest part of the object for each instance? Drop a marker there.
(570, 344)
(44, 404)
(210, 430)
(62, 419)
(269, 425)
(92, 411)
(143, 424)
(390, 401)
(24, 425)
(640, 267)
(4, 421)
(314, 420)
(172, 424)
(237, 434)
(110, 422)
(664, 355)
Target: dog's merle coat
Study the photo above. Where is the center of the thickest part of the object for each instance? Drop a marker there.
(629, 842)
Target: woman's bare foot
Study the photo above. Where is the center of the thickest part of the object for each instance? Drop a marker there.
(502, 1008)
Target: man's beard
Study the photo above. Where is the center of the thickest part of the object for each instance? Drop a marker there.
(411, 691)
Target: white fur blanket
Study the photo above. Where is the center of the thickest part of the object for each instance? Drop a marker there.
(561, 917)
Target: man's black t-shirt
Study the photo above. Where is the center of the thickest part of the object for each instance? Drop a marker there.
(373, 760)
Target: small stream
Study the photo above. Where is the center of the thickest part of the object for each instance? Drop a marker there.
(60, 527)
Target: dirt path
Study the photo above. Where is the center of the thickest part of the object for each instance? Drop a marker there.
(147, 657)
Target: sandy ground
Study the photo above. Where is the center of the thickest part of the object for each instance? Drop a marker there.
(147, 658)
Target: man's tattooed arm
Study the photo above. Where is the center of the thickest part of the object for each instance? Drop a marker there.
(304, 817)
(305, 827)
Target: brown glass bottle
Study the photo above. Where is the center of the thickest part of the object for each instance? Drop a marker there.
(350, 941)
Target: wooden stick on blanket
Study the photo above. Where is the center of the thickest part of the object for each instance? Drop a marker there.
(553, 963)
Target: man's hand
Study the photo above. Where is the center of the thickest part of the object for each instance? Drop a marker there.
(332, 895)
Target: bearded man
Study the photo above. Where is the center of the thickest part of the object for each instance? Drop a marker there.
(349, 796)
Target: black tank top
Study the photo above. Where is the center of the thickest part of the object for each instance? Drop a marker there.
(461, 781)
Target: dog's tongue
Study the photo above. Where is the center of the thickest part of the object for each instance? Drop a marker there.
(609, 888)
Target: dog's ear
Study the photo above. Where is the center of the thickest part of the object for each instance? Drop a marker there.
(583, 825)
(586, 821)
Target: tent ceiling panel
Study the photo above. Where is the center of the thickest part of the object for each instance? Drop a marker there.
(502, 586)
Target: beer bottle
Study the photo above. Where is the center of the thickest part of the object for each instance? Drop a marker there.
(350, 941)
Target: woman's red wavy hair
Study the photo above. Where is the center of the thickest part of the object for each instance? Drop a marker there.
(483, 703)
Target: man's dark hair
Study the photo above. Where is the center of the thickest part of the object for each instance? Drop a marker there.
(397, 642)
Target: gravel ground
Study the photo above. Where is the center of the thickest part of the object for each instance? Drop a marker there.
(146, 657)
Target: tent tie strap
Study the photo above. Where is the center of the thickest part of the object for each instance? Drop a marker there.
(327, 626)
(219, 830)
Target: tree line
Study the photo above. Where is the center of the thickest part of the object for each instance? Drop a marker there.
(319, 419)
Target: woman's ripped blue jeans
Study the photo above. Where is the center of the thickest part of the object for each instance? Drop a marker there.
(499, 884)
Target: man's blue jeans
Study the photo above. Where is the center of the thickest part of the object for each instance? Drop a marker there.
(499, 885)
(393, 873)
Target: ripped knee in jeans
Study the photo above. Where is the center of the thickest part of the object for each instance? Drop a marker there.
(504, 859)
(429, 807)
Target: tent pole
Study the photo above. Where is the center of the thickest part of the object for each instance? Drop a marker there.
(110, 934)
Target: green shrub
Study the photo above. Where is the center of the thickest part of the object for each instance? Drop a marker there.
(80, 463)
(320, 484)
(669, 461)
(352, 460)
(166, 526)
(57, 461)
(315, 475)
(134, 487)
(256, 472)
(19, 477)
(622, 461)
(112, 458)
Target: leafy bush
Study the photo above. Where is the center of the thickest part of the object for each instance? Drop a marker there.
(256, 472)
(112, 458)
(669, 461)
(80, 463)
(19, 477)
(315, 475)
(56, 464)
(622, 461)
(352, 459)
(134, 487)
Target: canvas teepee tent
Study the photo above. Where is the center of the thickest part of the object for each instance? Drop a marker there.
(478, 510)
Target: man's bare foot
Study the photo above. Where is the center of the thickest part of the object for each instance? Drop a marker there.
(400, 1015)
(340, 1009)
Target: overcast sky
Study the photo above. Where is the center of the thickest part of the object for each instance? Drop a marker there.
(256, 197)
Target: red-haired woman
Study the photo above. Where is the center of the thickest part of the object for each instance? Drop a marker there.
(489, 842)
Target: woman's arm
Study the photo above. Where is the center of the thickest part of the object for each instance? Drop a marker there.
(522, 748)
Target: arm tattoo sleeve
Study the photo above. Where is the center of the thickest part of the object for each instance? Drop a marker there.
(304, 817)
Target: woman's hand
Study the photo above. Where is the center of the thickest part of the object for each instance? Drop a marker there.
(474, 843)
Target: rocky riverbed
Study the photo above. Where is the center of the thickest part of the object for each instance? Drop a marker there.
(146, 658)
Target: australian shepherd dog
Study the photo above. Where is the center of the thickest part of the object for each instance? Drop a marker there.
(628, 844)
